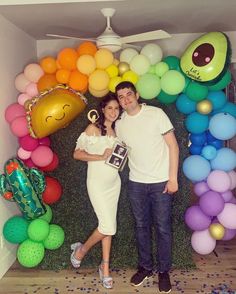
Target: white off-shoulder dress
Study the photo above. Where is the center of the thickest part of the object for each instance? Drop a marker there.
(103, 182)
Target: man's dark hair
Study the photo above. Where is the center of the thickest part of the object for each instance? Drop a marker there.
(124, 85)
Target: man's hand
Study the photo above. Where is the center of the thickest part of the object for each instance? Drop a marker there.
(171, 187)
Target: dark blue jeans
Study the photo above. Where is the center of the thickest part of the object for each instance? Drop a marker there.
(151, 206)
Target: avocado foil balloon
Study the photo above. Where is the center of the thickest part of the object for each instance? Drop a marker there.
(53, 109)
(207, 58)
(24, 186)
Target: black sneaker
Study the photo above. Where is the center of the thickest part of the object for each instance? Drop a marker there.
(164, 282)
(139, 277)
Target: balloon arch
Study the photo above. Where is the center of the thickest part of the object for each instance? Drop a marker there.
(52, 95)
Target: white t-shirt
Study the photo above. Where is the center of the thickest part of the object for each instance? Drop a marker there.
(143, 134)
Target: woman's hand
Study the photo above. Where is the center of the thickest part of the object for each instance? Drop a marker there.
(107, 153)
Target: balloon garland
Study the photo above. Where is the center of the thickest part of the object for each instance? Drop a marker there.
(210, 119)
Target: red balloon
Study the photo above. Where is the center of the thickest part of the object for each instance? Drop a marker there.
(53, 191)
(53, 165)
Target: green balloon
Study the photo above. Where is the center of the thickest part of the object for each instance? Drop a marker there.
(166, 98)
(152, 69)
(196, 91)
(173, 62)
(48, 215)
(148, 86)
(15, 229)
(161, 68)
(38, 230)
(172, 82)
(30, 253)
(55, 237)
(221, 84)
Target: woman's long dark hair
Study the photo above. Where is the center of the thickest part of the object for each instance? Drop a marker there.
(100, 122)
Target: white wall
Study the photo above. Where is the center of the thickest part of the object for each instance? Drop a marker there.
(16, 51)
(173, 46)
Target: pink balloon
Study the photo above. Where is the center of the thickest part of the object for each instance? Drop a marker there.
(227, 196)
(28, 143)
(13, 111)
(23, 154)
(21, 82)
(232, 175)
(19, 126)
(22, 98)
(33, 72)
(29, 163)
(32, 90)
(227, 217)
(202, 242)
(45, 141)
(42, 156)
(229, 234)
(219, 181)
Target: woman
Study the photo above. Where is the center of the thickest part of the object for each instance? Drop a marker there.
(103, 183)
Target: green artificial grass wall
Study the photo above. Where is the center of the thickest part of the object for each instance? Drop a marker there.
(74, 213)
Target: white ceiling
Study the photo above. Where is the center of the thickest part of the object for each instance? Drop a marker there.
(84, 19)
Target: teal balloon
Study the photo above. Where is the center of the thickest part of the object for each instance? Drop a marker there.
(221, 84)
(38, 230)
(148, 86)
(48, 215)
(55, 237)
(30, 253)
(15, 229)
(173, 62)
(196, 168)
(217, 98)
(166, 98)
(196, 123)
(172, 82)
(196, 91)
(229, 108)
(185, 105)
(209, 152)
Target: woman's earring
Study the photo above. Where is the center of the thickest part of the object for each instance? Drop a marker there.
(93, 115)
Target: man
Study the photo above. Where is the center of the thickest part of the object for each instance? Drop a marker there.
(153, 163)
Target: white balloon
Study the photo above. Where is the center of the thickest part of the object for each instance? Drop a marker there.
(153, 52)
(127, 54)
(202, 242)
(227, 217)
(232, 175)
(140, 64)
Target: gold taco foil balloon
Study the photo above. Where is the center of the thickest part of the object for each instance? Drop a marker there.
(53, 109)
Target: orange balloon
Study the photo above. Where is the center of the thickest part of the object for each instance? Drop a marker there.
(48, 64)
(87, 48)
(63, 76)
(58, 64)
(67, 58)
(78, 81)
(46, 82)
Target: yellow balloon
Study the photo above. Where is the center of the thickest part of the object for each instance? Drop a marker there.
(217, 231)
(130, 76)
(204, 106)
(123, 67)
(53, 110)
(103, 58)
(112, 70)
(86, 64)
(113, 83)
(97, 93)
(99, 80)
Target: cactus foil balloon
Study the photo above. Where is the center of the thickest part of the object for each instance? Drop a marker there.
(25, 186)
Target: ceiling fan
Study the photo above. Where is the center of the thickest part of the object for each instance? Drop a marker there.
(112, 41)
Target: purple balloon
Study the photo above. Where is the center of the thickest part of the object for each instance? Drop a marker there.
(211, 203)
(201, 188)
(196, 219)
(229, 234)
(233, 200)
(227, 196)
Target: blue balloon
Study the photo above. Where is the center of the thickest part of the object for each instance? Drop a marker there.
(217, 143)
(225, 160)
(197, 123)
(209, 136)
(198, 139)
(185, 105)
(217, 98)
(209, 152)
(195, 149)
(196, 168)
(229, 108)
(222, 126)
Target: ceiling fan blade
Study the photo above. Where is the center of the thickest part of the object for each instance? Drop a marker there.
(70, 37)
(148, 36)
